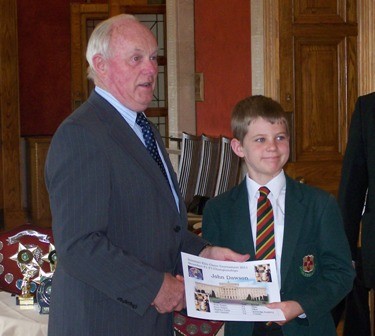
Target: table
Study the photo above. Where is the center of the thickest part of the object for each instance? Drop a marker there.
(19, 322)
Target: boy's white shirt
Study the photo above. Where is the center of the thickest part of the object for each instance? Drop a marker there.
(277, 187)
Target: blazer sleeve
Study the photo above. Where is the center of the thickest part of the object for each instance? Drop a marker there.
(322, 235)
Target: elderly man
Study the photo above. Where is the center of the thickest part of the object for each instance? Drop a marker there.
(119, 221)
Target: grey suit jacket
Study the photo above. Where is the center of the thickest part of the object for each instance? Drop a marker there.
(312, 227)
(358, 179)
(115, 224)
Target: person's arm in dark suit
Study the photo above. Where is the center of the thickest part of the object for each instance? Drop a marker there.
(354, 178)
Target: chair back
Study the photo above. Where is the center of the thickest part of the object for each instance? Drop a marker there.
(208, 166)
(229, 168)
(188, 165)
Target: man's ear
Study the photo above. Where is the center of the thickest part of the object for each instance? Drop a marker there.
(237, 147)
(99, 63)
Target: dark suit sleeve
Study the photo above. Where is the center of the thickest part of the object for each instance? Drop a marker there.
(354, 178)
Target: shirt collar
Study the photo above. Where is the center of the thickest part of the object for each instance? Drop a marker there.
(129, 115)
(275, 185)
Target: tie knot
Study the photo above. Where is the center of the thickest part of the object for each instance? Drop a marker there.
(264, 191)
(141, 120)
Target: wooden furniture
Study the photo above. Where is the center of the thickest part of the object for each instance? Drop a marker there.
(38, 199)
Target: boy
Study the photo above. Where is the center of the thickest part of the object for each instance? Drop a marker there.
(310, 246)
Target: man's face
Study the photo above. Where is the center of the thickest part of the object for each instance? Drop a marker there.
(265, 149)
(132, 69)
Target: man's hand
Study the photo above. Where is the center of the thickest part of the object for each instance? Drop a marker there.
(171, 295)
(222, 253)
(291, 310)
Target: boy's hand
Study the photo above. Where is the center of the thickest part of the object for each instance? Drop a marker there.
(222, 253)
(291, 310)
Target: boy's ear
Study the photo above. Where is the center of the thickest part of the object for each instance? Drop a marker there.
(237, 147)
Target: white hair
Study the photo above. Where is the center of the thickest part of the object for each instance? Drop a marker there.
(99, 42)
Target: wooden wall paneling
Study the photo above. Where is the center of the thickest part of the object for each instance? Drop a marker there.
(271, 49)
(366, 46)
(285, 36)
(327, 11)
(37, 149)
(11, 212)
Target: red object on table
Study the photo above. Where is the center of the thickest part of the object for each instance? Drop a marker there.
(27, 248)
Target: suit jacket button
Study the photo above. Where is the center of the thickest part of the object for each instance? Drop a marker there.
(177, 228)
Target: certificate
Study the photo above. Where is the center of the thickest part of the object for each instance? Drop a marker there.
(231, 291)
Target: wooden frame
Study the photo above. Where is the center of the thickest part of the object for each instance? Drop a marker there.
(12, 213)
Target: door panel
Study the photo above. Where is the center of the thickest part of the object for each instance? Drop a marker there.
(318, 85)
(317, 105)
(326, 11)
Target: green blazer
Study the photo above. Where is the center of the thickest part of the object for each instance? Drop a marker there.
(313, 227)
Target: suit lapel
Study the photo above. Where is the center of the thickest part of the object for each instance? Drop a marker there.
(293, 223)
(125, 137)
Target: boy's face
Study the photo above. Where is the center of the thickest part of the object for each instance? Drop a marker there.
(265, 149)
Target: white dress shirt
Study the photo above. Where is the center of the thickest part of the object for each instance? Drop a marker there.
(277, 187)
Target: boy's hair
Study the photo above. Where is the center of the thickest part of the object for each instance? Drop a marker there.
(253, 107)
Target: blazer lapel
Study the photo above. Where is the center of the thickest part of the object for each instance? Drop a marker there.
(241, 220)
(294, 216)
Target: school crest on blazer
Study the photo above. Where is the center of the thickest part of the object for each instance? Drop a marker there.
(308, 265)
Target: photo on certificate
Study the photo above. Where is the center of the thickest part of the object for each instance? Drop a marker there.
(263, 273)
(222, 290)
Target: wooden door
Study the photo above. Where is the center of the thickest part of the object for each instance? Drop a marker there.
(318, 84)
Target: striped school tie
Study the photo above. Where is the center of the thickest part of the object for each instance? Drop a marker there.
(265, 242)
